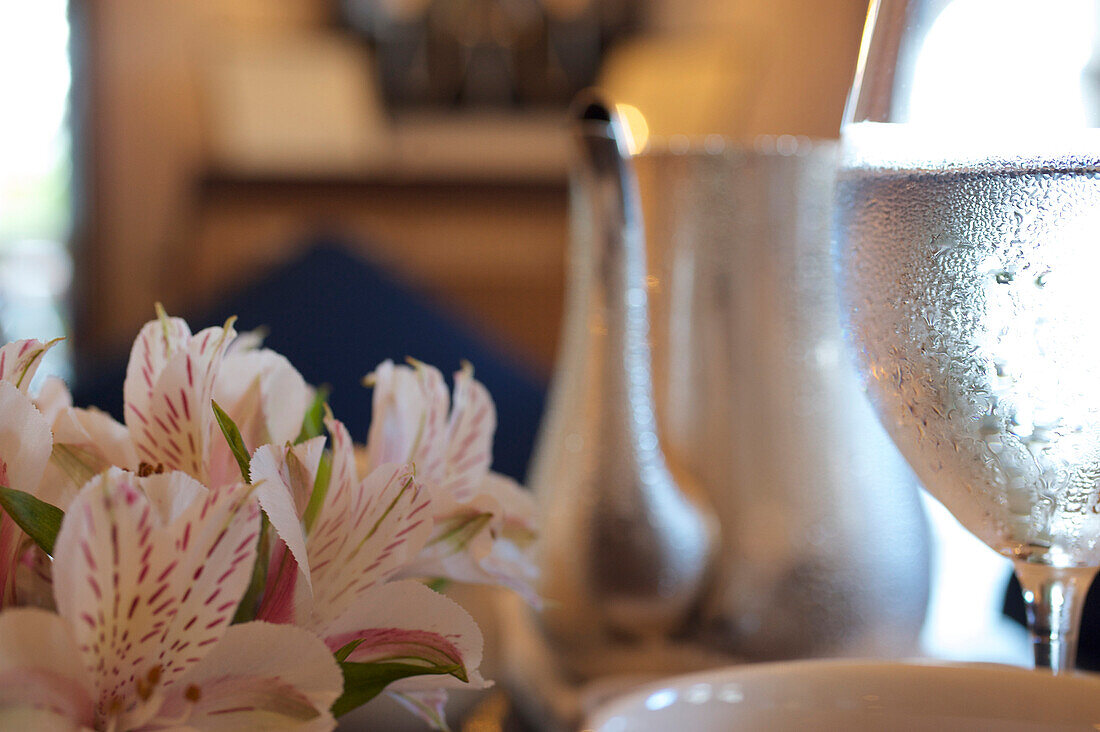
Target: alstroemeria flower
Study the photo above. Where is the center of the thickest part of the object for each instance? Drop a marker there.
(167, 392)
(172, 377)
(484, 522)
(25, 444)
(148, 573)
(361, 535)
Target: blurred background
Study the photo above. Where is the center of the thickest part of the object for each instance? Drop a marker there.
(181, 150)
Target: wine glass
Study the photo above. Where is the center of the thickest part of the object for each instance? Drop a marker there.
(968, 242)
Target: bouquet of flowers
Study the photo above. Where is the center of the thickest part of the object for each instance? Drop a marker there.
(226, 558)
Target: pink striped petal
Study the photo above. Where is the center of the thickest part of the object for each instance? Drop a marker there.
(37, 669)
(156, 343)
(469, 436)
(279, 604)
(406, 622)
(486, 540)
(148, 585)
(481, 558)
(429, 449)
(259, 676)
(168, 388)
(19, 360)
(365, 532)
(409, 418)
(344, 477)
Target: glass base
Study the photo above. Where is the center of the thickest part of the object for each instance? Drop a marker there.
(1054, 598)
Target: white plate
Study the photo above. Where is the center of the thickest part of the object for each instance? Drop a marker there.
(857, 695)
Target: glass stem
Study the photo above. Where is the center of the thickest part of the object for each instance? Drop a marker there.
(1054, 598)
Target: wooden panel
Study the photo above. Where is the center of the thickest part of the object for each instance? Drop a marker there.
(141, 142)
(493, 253)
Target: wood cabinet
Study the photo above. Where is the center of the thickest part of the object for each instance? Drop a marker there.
(491, 252)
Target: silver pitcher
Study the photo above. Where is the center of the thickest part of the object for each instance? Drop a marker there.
(823, 549)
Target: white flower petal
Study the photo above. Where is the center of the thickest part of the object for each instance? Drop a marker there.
(283, 396)
(483, 560)
(96, 432)
(281, 476)
(19, 361)
(409, 418)
(172, 493)
(147, 599)
(53, 397)
(364, 533)
(259, 676)
(39, 720)
(38, 669)
(168, 388)
(469, 438)
(249, 340)
(25, 440)
(301, 466)
(486, 540)
(155, 344)
(86, 442)
(344, 468)
(518, 509)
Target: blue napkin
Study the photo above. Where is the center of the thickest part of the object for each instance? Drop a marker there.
(336, 317)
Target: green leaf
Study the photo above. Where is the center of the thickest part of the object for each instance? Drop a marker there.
(320, 490)
(39, 519)
(342, 654)
(364, 681)
(233, 437)
(250, 602)
(438, 584)
(314, 423)
(165, 326)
